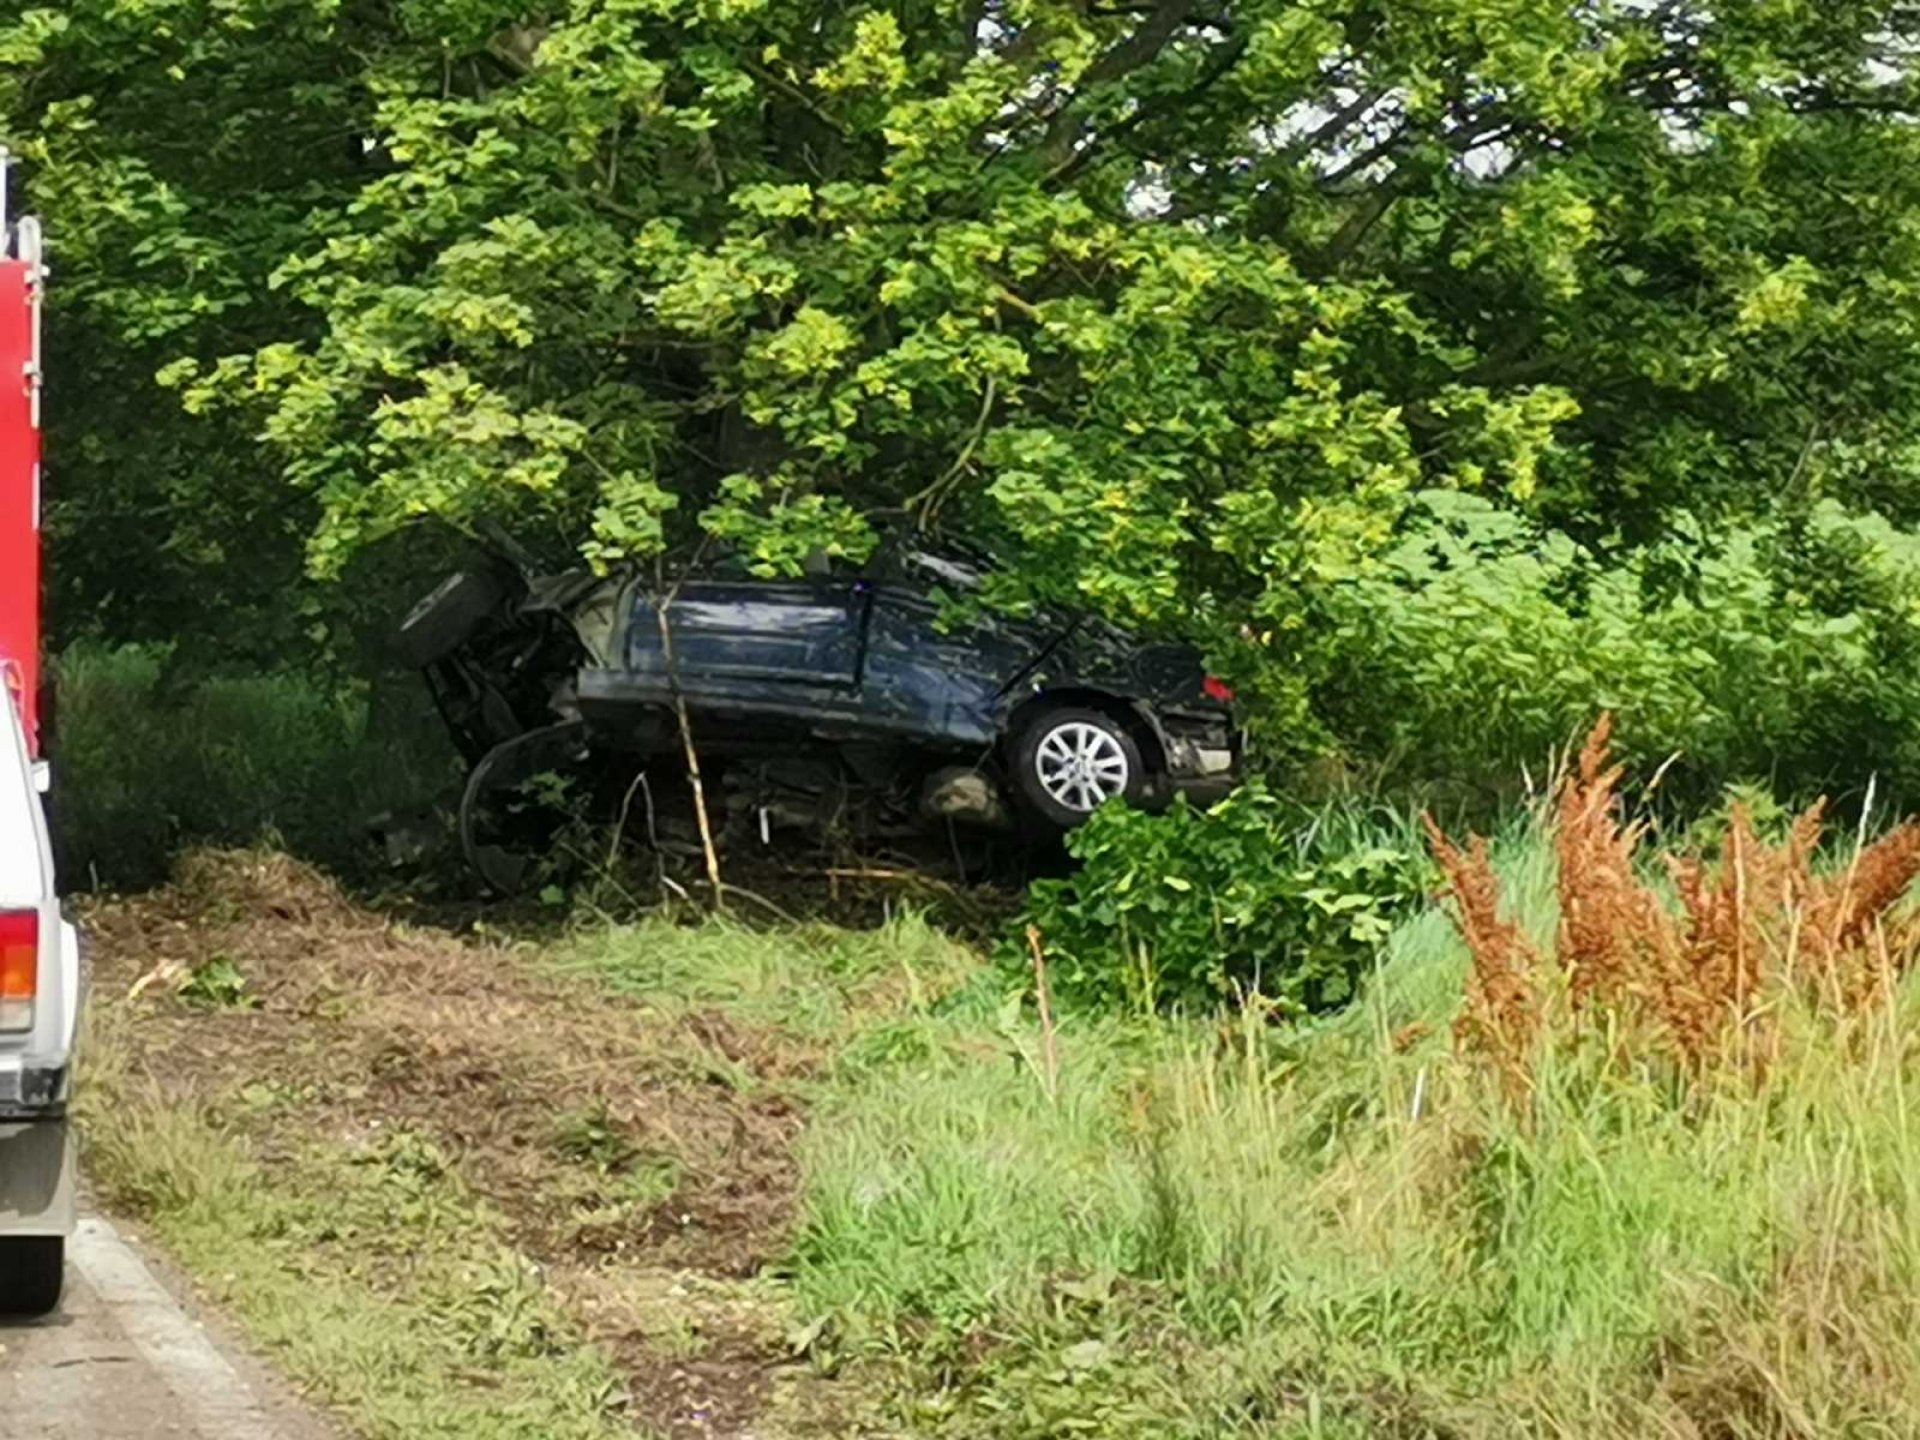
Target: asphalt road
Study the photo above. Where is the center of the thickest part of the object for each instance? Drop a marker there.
(124, 1360)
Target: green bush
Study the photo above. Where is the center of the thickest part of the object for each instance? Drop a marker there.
(146, 765)
(1786, 652)
(1256, 896)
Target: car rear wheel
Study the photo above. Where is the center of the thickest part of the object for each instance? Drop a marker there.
(31, 1272)
(1070, 762)
(435, 627)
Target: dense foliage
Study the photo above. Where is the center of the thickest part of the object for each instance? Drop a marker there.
(153, 766)
(1177, 303)
(1256, 900)
(1784, 651)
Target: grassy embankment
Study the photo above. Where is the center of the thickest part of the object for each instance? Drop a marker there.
(1187, 1230)
(806, 1182)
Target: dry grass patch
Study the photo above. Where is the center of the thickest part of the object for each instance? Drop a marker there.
(633, 1150)
(1700, 981)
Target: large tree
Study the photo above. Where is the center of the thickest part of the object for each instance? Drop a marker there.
(1174, 301)
(178, 153)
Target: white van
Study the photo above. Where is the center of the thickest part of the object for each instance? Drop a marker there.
(40, 996)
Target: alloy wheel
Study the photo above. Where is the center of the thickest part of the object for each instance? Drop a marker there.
(1082, 765)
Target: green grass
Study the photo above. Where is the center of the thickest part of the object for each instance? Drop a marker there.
(380, 1285)
(814, 982)
(149, 767)
(1229, 1232)
(1199, 1228)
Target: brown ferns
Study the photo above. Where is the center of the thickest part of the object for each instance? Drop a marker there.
(1503, 1013)
(1611, 926)
(1693, 983)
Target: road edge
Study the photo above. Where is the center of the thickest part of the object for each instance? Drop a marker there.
(210, 1388)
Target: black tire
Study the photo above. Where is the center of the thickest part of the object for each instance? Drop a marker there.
(506, 832)
(443, 619)
(1118, 770)
(32, 1272)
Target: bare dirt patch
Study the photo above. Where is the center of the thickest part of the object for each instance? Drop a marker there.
(643, 1157)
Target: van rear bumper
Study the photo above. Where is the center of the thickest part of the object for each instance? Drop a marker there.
(31, 1090)
(36, 1178)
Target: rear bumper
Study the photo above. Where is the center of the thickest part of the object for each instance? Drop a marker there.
(36, 1178)
(1204, 755)
(31, 1090)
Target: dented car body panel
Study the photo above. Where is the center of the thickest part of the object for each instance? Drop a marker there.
(878, 657)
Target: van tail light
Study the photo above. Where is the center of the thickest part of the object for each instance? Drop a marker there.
(1217, 689)
(19, 967)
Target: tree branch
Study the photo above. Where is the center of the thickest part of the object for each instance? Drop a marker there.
(1224, 59)
(1306, 144)
(1153, 35)
(931, 496)
(1459, 141)
(1364, 217)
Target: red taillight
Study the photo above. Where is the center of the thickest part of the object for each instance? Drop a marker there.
(1217, 689)
(19, 967)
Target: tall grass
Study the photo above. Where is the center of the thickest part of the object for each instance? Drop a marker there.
(147, 767)
(1351, 1230)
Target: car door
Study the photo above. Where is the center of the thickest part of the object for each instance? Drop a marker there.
(778, 643)
(935, 680)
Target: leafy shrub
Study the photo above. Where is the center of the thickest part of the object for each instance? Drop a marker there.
(216, 984)
(1785, 651)
(1256, 896)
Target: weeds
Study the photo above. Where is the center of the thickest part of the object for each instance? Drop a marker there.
(1502, 1016)
(216, 984)
(1700, 981)
(590, 1136)
(1192, 909)
(1348, 1228)
(1338, 1228)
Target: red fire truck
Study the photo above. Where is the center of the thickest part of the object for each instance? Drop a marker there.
(39, 953)
(22, 275)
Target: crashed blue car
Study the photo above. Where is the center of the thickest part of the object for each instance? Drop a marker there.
(842, 698)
